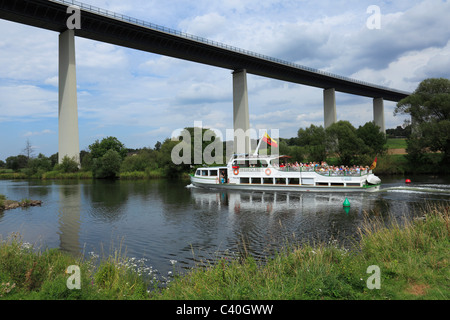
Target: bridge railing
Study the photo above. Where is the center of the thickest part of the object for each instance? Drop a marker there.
(142, 23)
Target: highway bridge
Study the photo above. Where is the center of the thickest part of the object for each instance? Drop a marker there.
(110, 27)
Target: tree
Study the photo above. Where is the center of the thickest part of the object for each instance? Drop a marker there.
(315, 141)
(373, 138)
(16, 162)
(108, 166)
(99, 148)
(105, 158)
(345, 142)
(40, 164)
(429, 107)
(67, 165)
(28, 150)
(171, 169)
(144, 159)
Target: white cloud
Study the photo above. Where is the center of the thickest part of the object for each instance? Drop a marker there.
(141, 97)
(45, 131)
(27, 103)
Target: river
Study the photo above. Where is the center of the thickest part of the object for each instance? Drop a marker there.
(170, 226)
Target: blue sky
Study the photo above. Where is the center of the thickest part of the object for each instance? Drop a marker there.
(142, 98)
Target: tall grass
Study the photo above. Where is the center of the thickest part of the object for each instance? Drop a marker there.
(66, 175)
(412, 256)
(29, 273)
(147, 174)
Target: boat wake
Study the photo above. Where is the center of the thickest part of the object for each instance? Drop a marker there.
(437, 189)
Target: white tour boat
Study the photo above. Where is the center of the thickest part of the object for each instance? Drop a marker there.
(267, 173)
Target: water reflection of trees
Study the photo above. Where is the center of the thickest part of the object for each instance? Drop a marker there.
(264, 221)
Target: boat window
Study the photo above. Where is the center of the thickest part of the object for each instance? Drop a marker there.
(204, 172)
(280, 181)
(213, 173)
(268, 180)
(197, 172)
(350, 184)
(337, 184)
(293, 181)
(256, 180)
(245, 180)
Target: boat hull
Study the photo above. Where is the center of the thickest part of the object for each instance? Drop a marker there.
(201, 183)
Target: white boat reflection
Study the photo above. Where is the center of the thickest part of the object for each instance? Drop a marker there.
(271, 202)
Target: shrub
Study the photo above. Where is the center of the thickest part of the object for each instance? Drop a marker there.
(67, 165)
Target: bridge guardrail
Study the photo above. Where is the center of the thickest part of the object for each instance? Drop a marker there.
(142, 23)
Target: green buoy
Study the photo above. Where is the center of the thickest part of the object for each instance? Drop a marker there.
(346, 203)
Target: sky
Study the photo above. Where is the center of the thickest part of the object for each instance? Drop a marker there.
(142, 98)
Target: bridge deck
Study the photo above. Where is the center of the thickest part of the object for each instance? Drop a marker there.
(105, 26)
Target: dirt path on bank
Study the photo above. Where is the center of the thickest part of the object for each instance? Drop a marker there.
(396, 151)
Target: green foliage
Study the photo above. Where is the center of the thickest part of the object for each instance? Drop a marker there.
(2, 201)
(27, 273)
(107, 166)
(16, 162)
(105, 157)
(345, 142)
(67, 165)
(99, 148)
(373, 138)
(410, 255)
(341, 139)
(315, 141)
(207, 138)
(429, 107)
(37, 166)
(145, 159)
(400, 131)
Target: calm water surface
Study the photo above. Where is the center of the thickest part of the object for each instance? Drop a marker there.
(165, 221)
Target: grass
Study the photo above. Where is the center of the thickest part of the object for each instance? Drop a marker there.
(53, 175)
(392, 164)
(81, 175)
(138, 175)
(396, 143)
(412, 256)
(30, 274)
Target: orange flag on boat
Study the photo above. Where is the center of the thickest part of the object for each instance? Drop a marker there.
(269, 140)
(374, 164)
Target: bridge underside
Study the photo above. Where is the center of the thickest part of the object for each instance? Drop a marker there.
(105, 28)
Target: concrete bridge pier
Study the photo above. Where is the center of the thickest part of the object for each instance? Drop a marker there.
(67, 106)
(329, 107)
(241, 120)
(378, 113)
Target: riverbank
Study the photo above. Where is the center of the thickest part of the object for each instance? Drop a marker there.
(6, 204)
(411, 258)
(389, 164)
(85, 175)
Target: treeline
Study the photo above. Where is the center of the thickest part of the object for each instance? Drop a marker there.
(109, 158)
(428, 146)
(340, 144)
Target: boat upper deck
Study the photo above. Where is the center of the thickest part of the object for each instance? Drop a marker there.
(282, 163)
